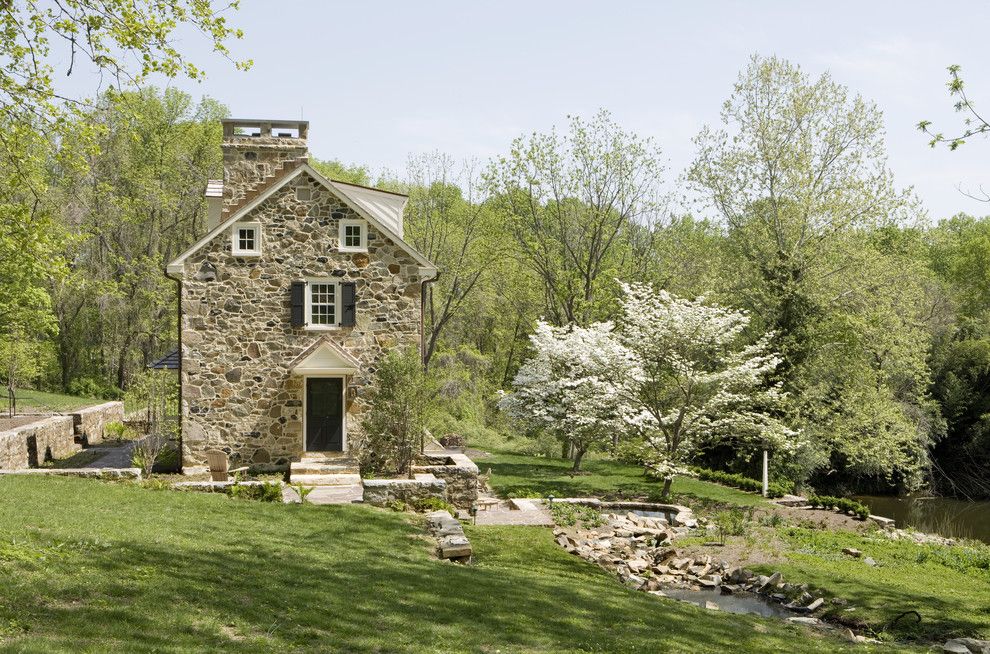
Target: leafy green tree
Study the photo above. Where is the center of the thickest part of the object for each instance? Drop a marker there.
(798, 173)
(571, 199)
(974, 124)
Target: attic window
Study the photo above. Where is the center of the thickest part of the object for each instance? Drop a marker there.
(353, 236)
(304, 194)
(287, 133)
(245, 239)
(247, 130)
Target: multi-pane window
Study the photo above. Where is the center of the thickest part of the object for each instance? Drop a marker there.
(246, 239)
(322, 303)
(353, 236)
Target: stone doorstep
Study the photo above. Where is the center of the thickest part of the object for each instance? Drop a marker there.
(341, 479)
(306, 468)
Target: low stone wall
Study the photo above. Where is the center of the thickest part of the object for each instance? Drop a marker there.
(88, 473)
(91, 421)
(32, 444)
(460, 473)
(382, 492)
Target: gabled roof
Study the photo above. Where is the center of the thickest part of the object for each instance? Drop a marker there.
(387, 205)
(168, 362)
(324, 357)
(380, 213)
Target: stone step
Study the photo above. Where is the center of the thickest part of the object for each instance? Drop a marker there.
(325, 480)
(307, 468)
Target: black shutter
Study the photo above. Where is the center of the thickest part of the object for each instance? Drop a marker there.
(298, 301)
(348, 304)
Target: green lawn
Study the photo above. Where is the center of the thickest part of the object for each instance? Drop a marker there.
(519, 475)
(87, 566)
(948, 586)
(40, 401)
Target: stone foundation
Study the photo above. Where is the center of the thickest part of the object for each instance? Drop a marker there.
(91, 421)
(460, 473)
(382, 492)
(88, 473)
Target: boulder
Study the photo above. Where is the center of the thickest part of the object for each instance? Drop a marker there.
(454, 547)
(852, 551)
(967, 646)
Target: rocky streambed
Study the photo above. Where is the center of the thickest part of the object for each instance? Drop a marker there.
(639, 550)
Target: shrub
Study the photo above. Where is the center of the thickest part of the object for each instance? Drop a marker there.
(843, 504)
(402, 401)
(774, 488)
(303, 492)
(114, 430)
(264, 492)
(568, 515)
(434, 504)
(731, 522)
(147, 450)
(90, 387)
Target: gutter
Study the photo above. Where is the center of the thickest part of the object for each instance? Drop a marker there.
(178, 340)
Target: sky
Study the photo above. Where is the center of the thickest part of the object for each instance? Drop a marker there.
(381, 80)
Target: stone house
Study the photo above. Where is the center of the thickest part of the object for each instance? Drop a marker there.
(298, 287)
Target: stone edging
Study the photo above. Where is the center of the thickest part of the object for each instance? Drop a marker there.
(451, 542)
(88, 473)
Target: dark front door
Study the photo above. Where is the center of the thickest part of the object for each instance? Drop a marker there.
(324, 414)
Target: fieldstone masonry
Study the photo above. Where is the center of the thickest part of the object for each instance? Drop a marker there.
(90, 422)
(238, 392)
(34, 443)
(458, 471)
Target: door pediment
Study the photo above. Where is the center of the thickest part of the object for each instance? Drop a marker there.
(324, 358)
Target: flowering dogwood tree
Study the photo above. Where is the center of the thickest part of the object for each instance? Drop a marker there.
(574, 386)
(697, 382)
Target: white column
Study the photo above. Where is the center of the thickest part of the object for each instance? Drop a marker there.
(766, 473)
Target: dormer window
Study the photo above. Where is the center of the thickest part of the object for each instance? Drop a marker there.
(245, 239)
(353, 236)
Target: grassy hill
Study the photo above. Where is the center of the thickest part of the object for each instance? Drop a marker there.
(91, 566)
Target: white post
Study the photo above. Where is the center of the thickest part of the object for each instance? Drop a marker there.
(766, 474)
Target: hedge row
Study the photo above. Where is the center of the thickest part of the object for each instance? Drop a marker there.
(774, 489)
(843, 504)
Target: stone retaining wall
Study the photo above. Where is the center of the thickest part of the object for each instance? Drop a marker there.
(91, 421)
(460, 473)
(88, 473)
(32, 444)
(382, 492)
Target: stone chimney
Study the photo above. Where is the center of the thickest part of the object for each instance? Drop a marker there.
(253, 150)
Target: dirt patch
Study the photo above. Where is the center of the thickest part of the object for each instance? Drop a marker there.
(20, 421)
(823, 519)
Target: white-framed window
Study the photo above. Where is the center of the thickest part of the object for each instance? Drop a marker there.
(245, 239)
(353, 236)
(322, 304)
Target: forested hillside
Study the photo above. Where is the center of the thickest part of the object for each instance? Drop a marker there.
(878, 310)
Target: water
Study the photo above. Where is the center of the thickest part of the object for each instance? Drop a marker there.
(736, 603)
(938, 515)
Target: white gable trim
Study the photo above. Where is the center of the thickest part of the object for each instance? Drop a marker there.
(325, 358)
(176, 266)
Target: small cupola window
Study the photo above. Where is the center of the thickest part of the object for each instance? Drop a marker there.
(353, 236)
(246, 239)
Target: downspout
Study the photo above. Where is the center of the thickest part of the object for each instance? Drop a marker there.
(422, 316)
(178, 342)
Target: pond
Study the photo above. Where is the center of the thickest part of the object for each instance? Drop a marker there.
(939, 515)
(735, 603)
(668, 516)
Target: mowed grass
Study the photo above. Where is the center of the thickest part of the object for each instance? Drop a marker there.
(949, 587)
(29, 400)
(520, 475)
(87, 566)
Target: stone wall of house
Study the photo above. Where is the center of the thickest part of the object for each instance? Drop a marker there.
(460, 474)
(91, 421)
(383, 492)
(29, 445)
(238, 344)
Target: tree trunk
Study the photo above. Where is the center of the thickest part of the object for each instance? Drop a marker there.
(577, 458)
(665, 493)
